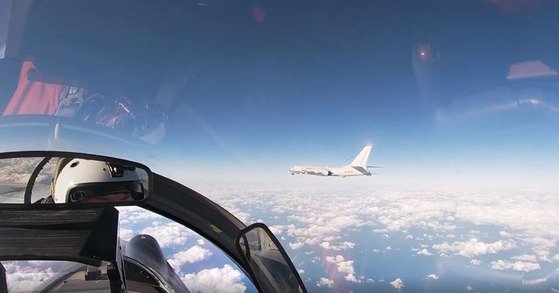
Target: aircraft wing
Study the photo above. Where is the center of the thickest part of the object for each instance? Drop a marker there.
(322, 171)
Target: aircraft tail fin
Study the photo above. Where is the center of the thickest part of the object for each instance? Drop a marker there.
(362, 158)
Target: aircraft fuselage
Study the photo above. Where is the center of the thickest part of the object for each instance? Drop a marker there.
(328, 171)
(358, 167)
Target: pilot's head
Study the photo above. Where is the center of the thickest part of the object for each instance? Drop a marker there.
(82, 180)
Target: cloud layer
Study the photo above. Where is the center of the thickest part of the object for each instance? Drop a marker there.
(224, 280)
(435, 224)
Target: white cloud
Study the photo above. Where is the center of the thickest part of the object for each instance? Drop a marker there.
(428, 237)
(17, 171)
(316, 229)
(344, 266)
(192, 255)
(134, 215)
(325, 282)
(125, 234)
(540, 242)
(296, 245)
(24, 276)
(505, 234)
(534, 281)
(242, 216)
(424, 252)
(432, 277)
(323, 216)
(353, 278)
(474, 247)
(398, 284)
(172, 234)
(476, 262)
(276, 229)
(531, 217)
(542, 253)
(525, 257)
(226, 279)
(520, 266)
(342, 246)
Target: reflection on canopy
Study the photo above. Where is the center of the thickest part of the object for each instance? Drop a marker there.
(69, 180)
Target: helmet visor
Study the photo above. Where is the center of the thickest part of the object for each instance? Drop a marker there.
(106, 192)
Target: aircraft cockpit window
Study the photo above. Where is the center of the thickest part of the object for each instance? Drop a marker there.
(157, 253)
(61, 276)
(186, 258)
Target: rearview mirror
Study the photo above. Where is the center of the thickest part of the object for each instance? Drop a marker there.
(270, 264)
(71, 178)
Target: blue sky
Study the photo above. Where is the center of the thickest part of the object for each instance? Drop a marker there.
(427, 150)
(253, 88)
(513, 146)
(313, 87)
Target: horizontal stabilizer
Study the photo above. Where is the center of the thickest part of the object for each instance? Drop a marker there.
(361, 170)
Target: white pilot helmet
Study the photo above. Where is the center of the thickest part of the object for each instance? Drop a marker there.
(81, 180)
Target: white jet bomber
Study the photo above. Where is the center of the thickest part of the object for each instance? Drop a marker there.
(357, 168)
